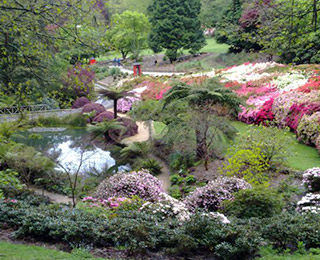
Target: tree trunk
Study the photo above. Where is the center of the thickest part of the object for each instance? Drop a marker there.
(201, 145)
(115, 105)
(150, 129)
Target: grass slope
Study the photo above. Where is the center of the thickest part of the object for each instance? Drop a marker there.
(22, 252)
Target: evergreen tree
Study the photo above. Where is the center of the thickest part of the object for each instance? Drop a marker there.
(175, 26)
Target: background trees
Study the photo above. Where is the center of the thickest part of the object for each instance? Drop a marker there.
(175, 26)
(129, 33)
(38, 36)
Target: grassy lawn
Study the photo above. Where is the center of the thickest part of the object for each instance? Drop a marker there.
(23, 252)
(270, 254)
(212, 47)
(303, 156)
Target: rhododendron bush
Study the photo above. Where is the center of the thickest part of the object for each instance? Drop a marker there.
(210, 197)
(128, 184)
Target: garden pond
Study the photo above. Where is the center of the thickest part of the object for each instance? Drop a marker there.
(69, 146)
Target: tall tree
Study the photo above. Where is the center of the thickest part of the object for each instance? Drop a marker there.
(206, 104)
(32, 33)
(129, 33)
(175, 25)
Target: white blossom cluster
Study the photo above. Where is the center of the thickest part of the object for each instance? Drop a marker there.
(247, 72)
(290, 81)
(168, 206)
(311, 177)
(309, 203)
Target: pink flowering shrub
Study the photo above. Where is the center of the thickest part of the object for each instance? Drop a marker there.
(112, 202)
(125, 104)
(248, 116)
(308, 129)
(311, 179)
(128, 184)
(211, 196)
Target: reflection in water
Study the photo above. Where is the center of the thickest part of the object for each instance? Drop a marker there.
(69, 147)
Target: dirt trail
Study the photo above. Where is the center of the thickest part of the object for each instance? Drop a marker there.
(54, 197)
(164, 177)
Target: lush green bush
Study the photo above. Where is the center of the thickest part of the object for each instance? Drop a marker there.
(286, 230)
(259, 202)
(133, 230)
(9, 182)
(227, 242)
(249, 164)
(178, 161)
(182, 184)
(152, 165)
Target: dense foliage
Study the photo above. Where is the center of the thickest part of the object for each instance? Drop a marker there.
(175, 25)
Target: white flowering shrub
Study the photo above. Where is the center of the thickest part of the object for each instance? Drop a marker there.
(311, 179)
(128, 184)
(247, 72)
(309, 203)
(290, 81)
(211, 196)
(167, 207)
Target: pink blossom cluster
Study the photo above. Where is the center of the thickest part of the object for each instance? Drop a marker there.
(211, 196)
(128, 184)
(112, 202)
(125, 104)
(14, 201)
(288, 99)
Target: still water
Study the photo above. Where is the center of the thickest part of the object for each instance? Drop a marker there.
(70, 147)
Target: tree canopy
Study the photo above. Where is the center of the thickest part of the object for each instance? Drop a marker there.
(129, 33)
(175, 26)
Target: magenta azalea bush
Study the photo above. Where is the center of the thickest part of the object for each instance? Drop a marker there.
(128, 184)
(211, 196)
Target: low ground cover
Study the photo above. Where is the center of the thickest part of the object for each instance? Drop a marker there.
(10, 251)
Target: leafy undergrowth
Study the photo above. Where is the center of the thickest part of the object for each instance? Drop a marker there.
(22, 252)
(303, 157)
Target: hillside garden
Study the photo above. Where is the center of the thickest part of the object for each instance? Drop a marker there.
(220, 161)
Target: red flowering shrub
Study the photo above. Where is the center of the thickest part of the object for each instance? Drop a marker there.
(265, 113)
(312, 84)
(155, 90)
(232, 85)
